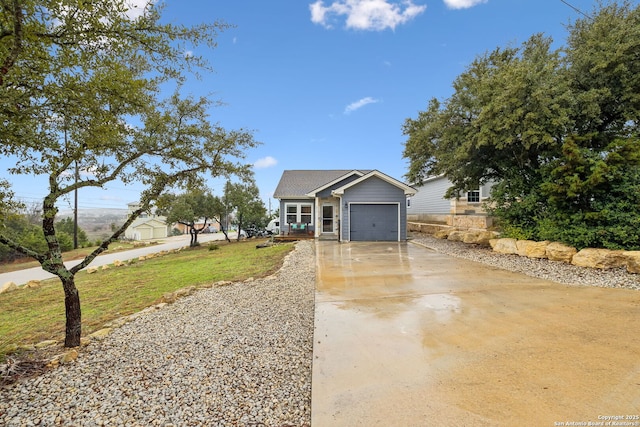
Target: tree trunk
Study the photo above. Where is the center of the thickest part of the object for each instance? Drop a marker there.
(73, 327)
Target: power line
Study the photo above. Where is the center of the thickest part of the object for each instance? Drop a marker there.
(576, 9)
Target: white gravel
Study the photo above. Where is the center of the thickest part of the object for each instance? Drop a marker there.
(556, 271)
(235, 355)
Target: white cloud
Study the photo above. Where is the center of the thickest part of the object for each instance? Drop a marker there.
(265, 162)
(137, 8)
(375, 15)
(359, 104)
(463, 4)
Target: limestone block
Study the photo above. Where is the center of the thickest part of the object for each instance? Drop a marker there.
(478, 237)
(8, 287)
(105, 267)
(169, 298)
(456, 236)
(633, 261)
(506, 246)
(100, 334)
(599, 258)
(441, 234)
(92, 270)
(521, 246)
(32, 284)
(185, 291)
(532, 249)
(118, 263)
(46, 343)
(493, 242)
(69, 356)
(557, 251)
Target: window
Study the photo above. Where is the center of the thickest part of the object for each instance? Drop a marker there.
(473, 196)
(298, 212)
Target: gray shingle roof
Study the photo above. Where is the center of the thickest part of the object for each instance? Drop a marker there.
(297, 183)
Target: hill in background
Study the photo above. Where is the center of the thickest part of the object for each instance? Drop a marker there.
(97, 223)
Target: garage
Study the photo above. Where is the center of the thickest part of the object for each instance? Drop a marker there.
(374, 222)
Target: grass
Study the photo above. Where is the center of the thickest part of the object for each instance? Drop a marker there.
(79, 253)
(28, 316)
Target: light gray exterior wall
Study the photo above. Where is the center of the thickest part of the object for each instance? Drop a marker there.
(373, 190)
(430, 198)
(327, 191)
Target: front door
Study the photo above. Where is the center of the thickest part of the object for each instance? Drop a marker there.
(327, 219)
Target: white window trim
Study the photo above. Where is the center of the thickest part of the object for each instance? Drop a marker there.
(298, 211)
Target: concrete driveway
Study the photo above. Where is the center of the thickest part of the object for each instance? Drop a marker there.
(405, 336)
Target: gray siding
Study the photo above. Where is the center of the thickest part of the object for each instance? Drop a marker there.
(327, 191)
(373, 190)
(430, 198)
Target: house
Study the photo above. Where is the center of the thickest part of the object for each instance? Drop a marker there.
(430, 205)
(147, 226)
(345, 205)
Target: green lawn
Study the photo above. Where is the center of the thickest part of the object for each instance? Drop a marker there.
(28, 316)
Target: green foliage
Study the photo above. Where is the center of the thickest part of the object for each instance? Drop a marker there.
(66, 225)
(80, 84)
(556, 131)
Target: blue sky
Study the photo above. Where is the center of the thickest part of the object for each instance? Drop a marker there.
(328, 84)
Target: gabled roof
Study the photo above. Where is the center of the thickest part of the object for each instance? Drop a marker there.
(307, 183)
(299, 183)
(408, 190)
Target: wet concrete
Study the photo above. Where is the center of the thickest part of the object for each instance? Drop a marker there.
(405, 336)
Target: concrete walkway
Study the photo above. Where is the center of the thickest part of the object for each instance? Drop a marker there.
(405, 336)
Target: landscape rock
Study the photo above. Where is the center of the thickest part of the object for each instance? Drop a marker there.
(442, 234)
(506, 246)
(118, 263)
(185, 291)
(557, 251)
(69, 356)
(532, 249)
(92, 270)
(633, 261)
(8, 287)
(32, 284)
(100, 334)
(46, 343)
(169, 298)
(478, 237)
(599, 258)
(456, 236)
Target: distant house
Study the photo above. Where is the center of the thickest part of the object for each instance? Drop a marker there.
(345, 205)
(147, 226)
(430, 205)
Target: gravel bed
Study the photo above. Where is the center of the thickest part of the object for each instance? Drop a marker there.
(556, 271)
(234, 355)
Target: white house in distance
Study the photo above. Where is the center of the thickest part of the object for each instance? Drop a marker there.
(147, 226)
(429, 205)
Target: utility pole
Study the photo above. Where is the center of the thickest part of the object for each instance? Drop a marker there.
(75, 210)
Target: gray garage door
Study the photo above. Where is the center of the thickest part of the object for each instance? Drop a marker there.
(373, 222)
